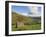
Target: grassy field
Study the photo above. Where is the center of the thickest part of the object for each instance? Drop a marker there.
(29, 24)
(26, 27)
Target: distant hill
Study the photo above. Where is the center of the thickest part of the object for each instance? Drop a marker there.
(16, 17)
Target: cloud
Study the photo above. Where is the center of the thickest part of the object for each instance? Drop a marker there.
(34, 10)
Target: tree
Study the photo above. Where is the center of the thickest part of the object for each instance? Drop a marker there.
(19, 20)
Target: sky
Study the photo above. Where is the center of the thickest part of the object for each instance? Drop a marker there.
(21, 9)
(24, 10)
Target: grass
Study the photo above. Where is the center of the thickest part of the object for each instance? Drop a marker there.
(29, 24)
(26, 27)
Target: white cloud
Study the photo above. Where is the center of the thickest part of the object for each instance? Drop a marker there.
(34, 10)
(26, 14)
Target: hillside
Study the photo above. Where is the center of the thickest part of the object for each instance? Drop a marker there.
(16, 17)
(29, 22)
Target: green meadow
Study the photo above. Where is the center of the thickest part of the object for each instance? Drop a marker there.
(25, 23)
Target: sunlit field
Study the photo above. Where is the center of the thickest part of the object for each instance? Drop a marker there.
(26, 27)
(29, 24)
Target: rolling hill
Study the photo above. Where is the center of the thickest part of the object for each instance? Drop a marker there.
(30, 23)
